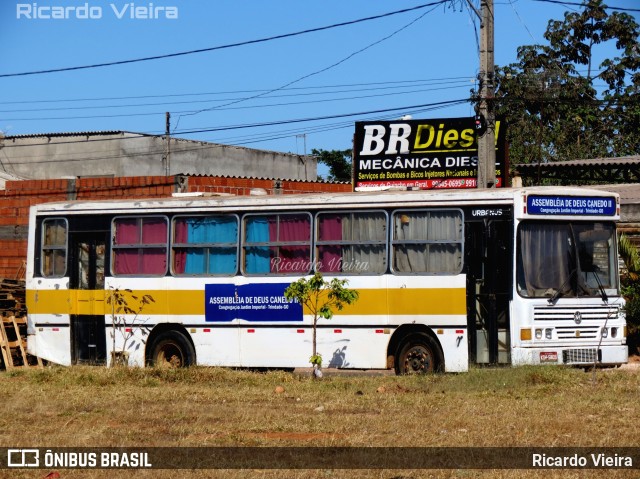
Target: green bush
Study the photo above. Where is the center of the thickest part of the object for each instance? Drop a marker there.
(631, 293)
(630, 283)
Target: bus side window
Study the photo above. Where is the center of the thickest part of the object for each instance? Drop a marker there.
(427, 241)
(351, 242)
(54, 247)
(205, 245)
(140, 246)
(277, 244)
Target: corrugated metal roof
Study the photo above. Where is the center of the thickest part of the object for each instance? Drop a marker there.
(235, 177)
(621, 160)
(123, 132)
(66, 134)
(629, 193)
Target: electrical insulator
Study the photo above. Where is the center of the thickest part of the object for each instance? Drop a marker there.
(480, 125)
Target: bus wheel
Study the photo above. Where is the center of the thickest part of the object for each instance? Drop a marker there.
(172, 349)
(419, 354)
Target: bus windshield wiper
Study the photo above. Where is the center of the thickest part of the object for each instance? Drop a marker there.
(603, 293)
(559, 292)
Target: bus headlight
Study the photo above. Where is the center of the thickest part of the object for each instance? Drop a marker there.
(538, 333)
(614, 332)
(548, 333)
(605, 332)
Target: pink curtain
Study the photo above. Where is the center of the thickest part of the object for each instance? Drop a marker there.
(146, 259)
(329, 256)
(180, 256)
(295, 258)
(127, 232)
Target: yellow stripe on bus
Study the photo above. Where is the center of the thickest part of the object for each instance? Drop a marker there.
(401, 301)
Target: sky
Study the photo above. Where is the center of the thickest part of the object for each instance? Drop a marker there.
(289, 94)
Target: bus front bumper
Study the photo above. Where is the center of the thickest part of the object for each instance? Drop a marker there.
(579, 356)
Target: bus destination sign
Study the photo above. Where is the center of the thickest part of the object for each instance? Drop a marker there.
(571, 205)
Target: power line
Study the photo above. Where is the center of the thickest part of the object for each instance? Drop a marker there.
(250, 125)
(347, 89)
(227, 46)
(221, 108)
(230, 92)
(317, 72)
(144, 152)
(299, 120)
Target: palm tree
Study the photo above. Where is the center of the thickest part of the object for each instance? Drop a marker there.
(631, 291)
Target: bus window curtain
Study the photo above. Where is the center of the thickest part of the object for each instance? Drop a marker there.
(257, 258)
(181, 236)
(438, 248)
(127, 233)
(153, 260)
(293, 258)
(330, 256)
(206, 231)
(357, 255)
(363, 229)
(223, 259)
(545, 257)
(445, 227)
(143, 260)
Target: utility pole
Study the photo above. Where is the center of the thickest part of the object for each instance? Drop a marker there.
(486, 112)
(166, 160)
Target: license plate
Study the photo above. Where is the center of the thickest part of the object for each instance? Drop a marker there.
(548, 357)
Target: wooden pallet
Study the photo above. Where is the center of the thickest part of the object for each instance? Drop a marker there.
(13, 343)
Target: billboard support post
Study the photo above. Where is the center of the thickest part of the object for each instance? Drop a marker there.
(486, 142)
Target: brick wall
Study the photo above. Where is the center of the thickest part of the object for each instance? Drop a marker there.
(243, 186)
(18, 196)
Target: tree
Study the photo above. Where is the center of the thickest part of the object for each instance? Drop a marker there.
(631, 290)
(122, 302)
(338, 161)
(554, 91)
(320, 298)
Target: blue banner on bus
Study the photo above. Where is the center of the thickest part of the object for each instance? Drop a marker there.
(571, 205)
(251, 302)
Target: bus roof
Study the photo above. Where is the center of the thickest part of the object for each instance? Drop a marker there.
(314, 200)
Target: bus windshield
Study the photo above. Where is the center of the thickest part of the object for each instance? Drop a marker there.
(566, 259)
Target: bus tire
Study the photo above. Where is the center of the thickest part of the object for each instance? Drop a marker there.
(419, 354)
(171, 349)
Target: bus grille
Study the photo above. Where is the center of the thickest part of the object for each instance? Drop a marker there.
(580, 322)
(577, 332)
(580, 356)
(578, 314)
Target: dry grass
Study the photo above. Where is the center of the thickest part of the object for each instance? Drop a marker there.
(543, 407)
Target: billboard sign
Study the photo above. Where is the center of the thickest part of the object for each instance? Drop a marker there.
(422, 154)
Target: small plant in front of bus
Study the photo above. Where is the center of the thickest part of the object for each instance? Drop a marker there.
(321, 298)
(316, 361)
(125, 304)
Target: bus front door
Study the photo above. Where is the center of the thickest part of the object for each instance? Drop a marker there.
(488, 254)
(88, 337)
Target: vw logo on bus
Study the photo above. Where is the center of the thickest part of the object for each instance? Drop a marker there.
(577, 317)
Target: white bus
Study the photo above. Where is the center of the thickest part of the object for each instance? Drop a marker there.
(445, 279)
